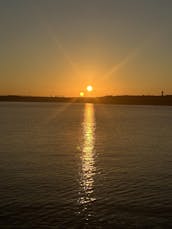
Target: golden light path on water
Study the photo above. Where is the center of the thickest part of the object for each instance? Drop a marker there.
(88, 168)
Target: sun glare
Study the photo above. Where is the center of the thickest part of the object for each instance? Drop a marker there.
(81, 94)
(89, 88)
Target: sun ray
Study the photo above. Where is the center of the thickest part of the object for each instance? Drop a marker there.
(126, 59)
(57, 42)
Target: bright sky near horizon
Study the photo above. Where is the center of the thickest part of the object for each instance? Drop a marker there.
(58, 47)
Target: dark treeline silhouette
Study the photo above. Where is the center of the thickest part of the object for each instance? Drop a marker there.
(125, 100)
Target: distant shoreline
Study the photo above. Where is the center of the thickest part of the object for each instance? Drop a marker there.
(118, 100)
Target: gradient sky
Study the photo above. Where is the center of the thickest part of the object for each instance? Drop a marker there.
(58, 47)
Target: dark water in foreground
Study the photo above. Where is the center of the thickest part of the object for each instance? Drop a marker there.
(85, 166)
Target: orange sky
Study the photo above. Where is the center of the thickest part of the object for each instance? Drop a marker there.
(54, 48)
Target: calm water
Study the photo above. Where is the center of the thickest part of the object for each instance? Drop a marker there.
(85, 166)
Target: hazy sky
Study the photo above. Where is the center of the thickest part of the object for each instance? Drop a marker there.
(58, 47)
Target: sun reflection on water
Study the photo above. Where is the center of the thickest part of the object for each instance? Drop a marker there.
(88, 168)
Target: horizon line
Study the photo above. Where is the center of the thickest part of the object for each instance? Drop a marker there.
(61, 96)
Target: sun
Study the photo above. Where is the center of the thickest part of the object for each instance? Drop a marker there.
(81, 94)
(89, 88)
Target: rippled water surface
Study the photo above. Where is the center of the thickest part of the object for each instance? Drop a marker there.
(85, 166)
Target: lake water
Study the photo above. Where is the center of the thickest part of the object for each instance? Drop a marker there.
(85, 166)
